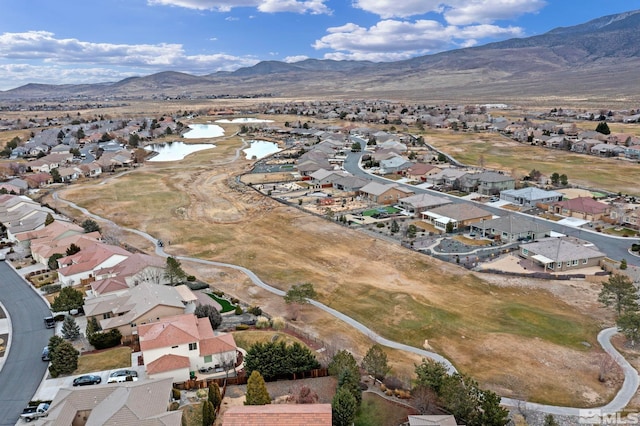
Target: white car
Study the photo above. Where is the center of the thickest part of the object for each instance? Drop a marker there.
(123, 376)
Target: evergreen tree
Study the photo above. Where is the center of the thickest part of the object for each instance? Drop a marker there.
(70, 329)
(257, 393)
(52, 263)
(69, 298)
(48, 220)
(208, 413)
(394, 227)
(629, 324)
(72, 249)
(343, 360)
(54, 341)
(620, 293)
(603, 128)
(214, 396)
(375, 362)
(64, 359)
(93, 327)
(431, 374)
(351, 382)
(343, 408)
(90, 226)
(173, 271)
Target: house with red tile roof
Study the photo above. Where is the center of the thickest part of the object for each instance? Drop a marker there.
(139, 305)
(278, 415)
(175, 346)
(135, 269)
(82, 265)
(144, 402)
(420, 171)
(582, 207)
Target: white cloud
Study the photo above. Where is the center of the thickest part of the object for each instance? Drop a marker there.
(292, 59)
(390, 40)
(39, 55)
(399, 9)
(267, 6)
(488, 11)
(456, 12)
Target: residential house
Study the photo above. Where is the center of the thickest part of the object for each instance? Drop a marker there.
(38, 180)
(69, 174)
(582, 207)
(562, 254)
(278, 415)
(395, 164)
(350, 183)
(15, 186)
(82, 265)
(92, 169)
(530, 196)
(511, 228)
(19, 213)
(459, 215)
(380, 193)
(142, 304)
(56, 238)
(50, 162)
(132, 271)
(324, 178)
(607, 150)
(491, 183)
(178, 345)
(420, 171)
(447, 177)
(143, 402)
(418, 203)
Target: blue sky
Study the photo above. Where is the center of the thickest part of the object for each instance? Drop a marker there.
(88, 41)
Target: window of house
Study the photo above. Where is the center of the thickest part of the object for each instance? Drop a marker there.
(208, 358)
(585, 261)
(568, 263)
(133, 324)
(174, 347)
(552, 265)
(574, 262)
(193, 346)
(525, 251)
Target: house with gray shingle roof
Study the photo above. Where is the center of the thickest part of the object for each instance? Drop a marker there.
(511, 228)
(381, 193)
(460, 215)
(530, 196)
(418, 203)
(562, 254)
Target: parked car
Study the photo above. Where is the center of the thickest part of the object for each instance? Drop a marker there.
(33, 412)
(45, 354)
(87, 379)
(49, 322)
(123, 376)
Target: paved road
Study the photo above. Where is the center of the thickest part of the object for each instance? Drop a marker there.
(23, 369)
(616, 248)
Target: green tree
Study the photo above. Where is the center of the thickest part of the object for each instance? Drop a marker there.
(90, 225)
(52, 262)
(623, 264)
(80, 133)
(356, 147)
(257, 390)
(70, 329)
(173, 271)
(489, 412)
(64, 359)
(620, 293)
(209, 311)
(603, 128)
(442, 158)
(351, 381)
(394, 227)
(459, 394)
(48, 220)
(208, 412)
(214, 396)
(134, 140)
(343, 408)
(300, 293)
(55, 175)
(54, 341)
(92, 328)
(72, 249)
(343, 360)
(629, 324)
(411, 231)
(168, 131)
(375, 362)
(431, 374)
(549, 420)
(555, 178)
(448, 227)
(564, 180)
(68, 298)
(275, 359)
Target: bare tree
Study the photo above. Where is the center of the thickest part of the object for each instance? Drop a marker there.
(151, 274)
(228, 362)
(606, 365)
(425, 399)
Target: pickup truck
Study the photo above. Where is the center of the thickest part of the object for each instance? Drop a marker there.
(32, 413)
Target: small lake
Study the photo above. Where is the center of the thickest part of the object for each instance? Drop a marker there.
(244, 120)
(260, 149)
(199, 131)
(174, 151)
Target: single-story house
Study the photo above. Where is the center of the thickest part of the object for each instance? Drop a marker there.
(460, 215)
(82, 265)
(562, 254)
(420, 171)
(582, 207)
(418, 203)
(511, 228)
(530, 197)
(381, 193)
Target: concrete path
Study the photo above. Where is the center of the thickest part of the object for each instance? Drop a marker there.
(618, 403)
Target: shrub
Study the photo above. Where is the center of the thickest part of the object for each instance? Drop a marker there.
(392, 382)
(255, 310)
(380, 225)
(50, 288)
(239, 310)
(18, 267)
(635, 247)
(235, 301)
(278, 323)
(219, 293)
(106, 340)
(176, 394)
(262, 322)
(389, 392)
(173, 406)
(241, 327)
(383, 387)
(191, 278)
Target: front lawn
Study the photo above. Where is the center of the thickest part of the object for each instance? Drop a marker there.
(109, 359)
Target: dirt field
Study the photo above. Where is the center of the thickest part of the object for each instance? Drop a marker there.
(522, 337)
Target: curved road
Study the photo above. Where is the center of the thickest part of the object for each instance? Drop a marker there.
(623, 397)
(23, 368)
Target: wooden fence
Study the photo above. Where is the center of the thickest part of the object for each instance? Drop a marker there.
(241, 379)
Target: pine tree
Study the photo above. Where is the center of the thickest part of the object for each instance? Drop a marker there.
(375, 362)
(64, 359)
(343, 408)
(257, 393)
(214, 395)
(70, 329)
(208, 413)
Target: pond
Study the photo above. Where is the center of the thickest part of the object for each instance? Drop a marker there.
(244, 120)
(199, 131)
(260, 149)
(174, 151)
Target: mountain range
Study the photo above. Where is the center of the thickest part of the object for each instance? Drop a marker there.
(595, 61)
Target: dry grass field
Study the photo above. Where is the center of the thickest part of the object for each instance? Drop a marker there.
(519, 337)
